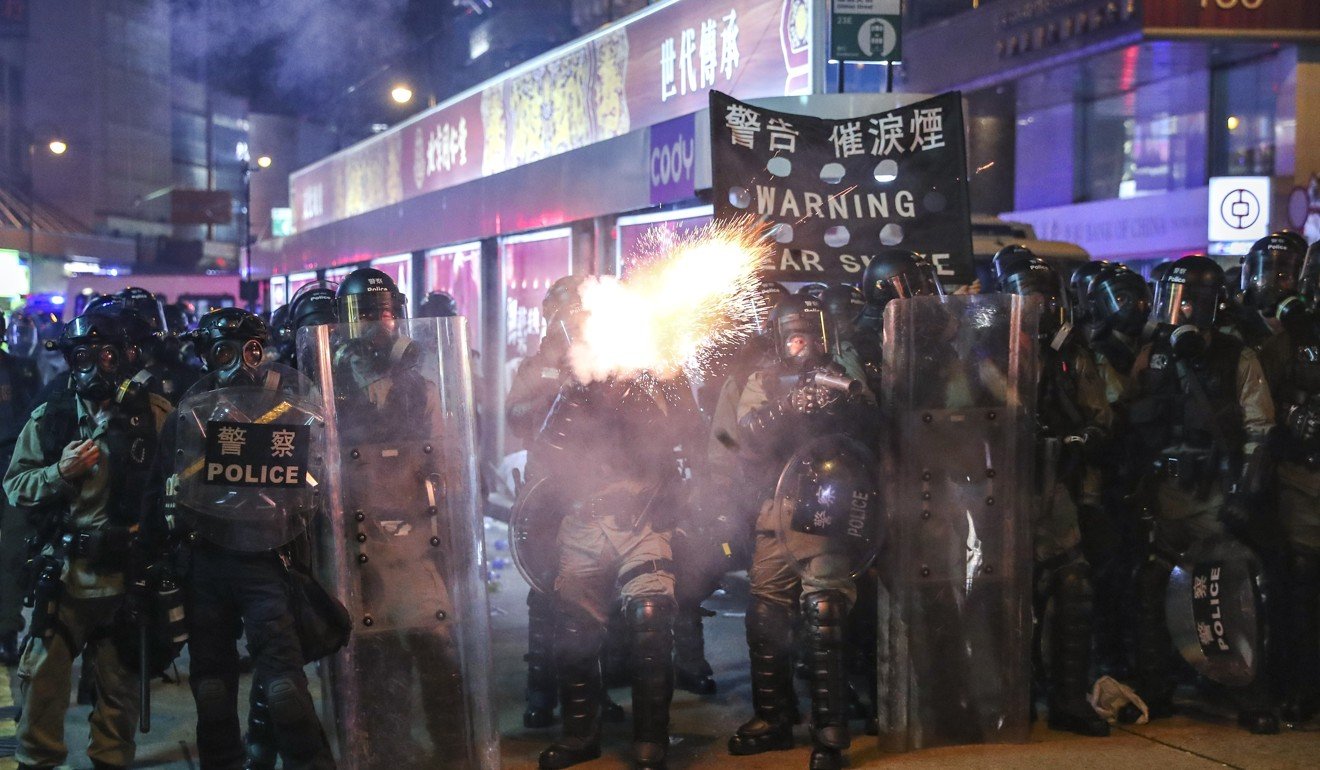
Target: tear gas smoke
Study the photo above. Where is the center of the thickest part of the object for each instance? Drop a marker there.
(685, 297)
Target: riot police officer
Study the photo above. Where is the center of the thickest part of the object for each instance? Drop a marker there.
(1271, 279)
(438, 304)
(82, 463)
(1120, 302)
(614, 542)
(171, 374)
(19, 383)
(893, 274)
(1200, 411)
(779, 406)
(237, 569)
(1073, 421)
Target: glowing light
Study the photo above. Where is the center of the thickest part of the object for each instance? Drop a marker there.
(264, 161)
(401, 94)
(57, 147)
(57, 299)
(686, 297)
(1233, 122)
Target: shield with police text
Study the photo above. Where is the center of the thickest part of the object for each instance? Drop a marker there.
(827, 508)
(402, 546)
(1213, 610)
(959, 399)
(248, 460)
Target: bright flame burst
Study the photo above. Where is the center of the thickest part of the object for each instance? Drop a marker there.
(685, 297)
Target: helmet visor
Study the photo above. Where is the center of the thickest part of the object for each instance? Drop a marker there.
(1268, 276)
(918, 282)
(1180, 303)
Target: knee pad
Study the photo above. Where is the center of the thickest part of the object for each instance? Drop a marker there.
(650, 614)
(284, 700)
(827, 613)
(214, 702)
(770, 626)
(1073, 584)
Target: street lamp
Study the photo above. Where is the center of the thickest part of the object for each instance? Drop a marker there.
(401, 94)
(54, 146)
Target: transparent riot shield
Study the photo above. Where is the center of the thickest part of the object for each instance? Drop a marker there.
(959, 399)
(401, 545)
(827, 508)
(1213, 610)
(249, 459)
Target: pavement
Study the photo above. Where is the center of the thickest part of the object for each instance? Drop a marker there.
(1200, 737)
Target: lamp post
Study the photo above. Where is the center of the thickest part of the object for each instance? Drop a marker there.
(55, 146)
(248, 167)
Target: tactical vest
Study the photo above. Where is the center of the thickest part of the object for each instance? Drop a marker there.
(1117, 352)
(1169, 413)
(1058, 412)
(130, 441)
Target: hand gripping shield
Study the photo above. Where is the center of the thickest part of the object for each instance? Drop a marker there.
(959, 398)
(401, 545)
(1213, 610)
(248, 459)
(827, 509)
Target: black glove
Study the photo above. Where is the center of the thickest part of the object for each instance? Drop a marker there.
(1303, 422)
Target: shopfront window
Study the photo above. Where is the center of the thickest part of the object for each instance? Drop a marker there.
(641, 235)
(1244, 98)
(399, 268)
(456, 270)
(1147, 140)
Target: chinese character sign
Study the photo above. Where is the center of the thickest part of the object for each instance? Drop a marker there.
(240, 454)
(839, 192)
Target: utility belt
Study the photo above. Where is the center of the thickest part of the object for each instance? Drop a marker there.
(105, 549)
(1197, 468)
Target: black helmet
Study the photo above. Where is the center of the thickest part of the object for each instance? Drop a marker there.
(147, 305)
(798, 324)
(562, 296)
(1119, 299)
(99, 354)
(368, 295)
(232, 343)
(812, 289)
(767, 295)
(1271, 272)
(177, 319)
(1083, 278)
(22, 336)
(899, 274)
(141, 329)
(438, 304)
(313, 305)
(842, 304)
(1190, 293)
(1022, 273)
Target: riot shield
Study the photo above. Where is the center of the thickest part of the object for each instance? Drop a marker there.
(534, 532)
(959, 399)
(248, 460)
(1213, 610)
(827, 508)
(402, 546)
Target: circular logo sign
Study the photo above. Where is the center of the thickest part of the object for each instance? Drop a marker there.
(876, 35)
(1239, 209)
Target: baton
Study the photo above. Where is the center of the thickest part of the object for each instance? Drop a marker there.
(144, 678)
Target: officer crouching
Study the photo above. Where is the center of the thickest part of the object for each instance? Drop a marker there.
(81, 463)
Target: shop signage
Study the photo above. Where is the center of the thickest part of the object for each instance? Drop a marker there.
(839, 192)
(657, 66)
(1260, 18)
(1166, 225)
(866, 30)
(672, 160)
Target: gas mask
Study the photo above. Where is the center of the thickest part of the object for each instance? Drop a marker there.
(235, 362)
(97, 370)
(1188, 342)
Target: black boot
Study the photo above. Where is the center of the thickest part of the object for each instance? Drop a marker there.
(1300, 701)
(651, 622)
(692, 672)
(770, 639)
(826, 614)
(577, 661)
(262, 751)
(1152, 647)
(1070, 658)
(10, 650)
(542, 694)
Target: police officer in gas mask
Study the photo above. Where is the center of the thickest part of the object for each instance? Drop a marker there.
(1073, 423)
(891, 275)
(1120, 303)
(172, 374)
(81, 464)
(236, 571)
(1272, 281)
(782, 406)
(1200, 412)
(312, 305)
